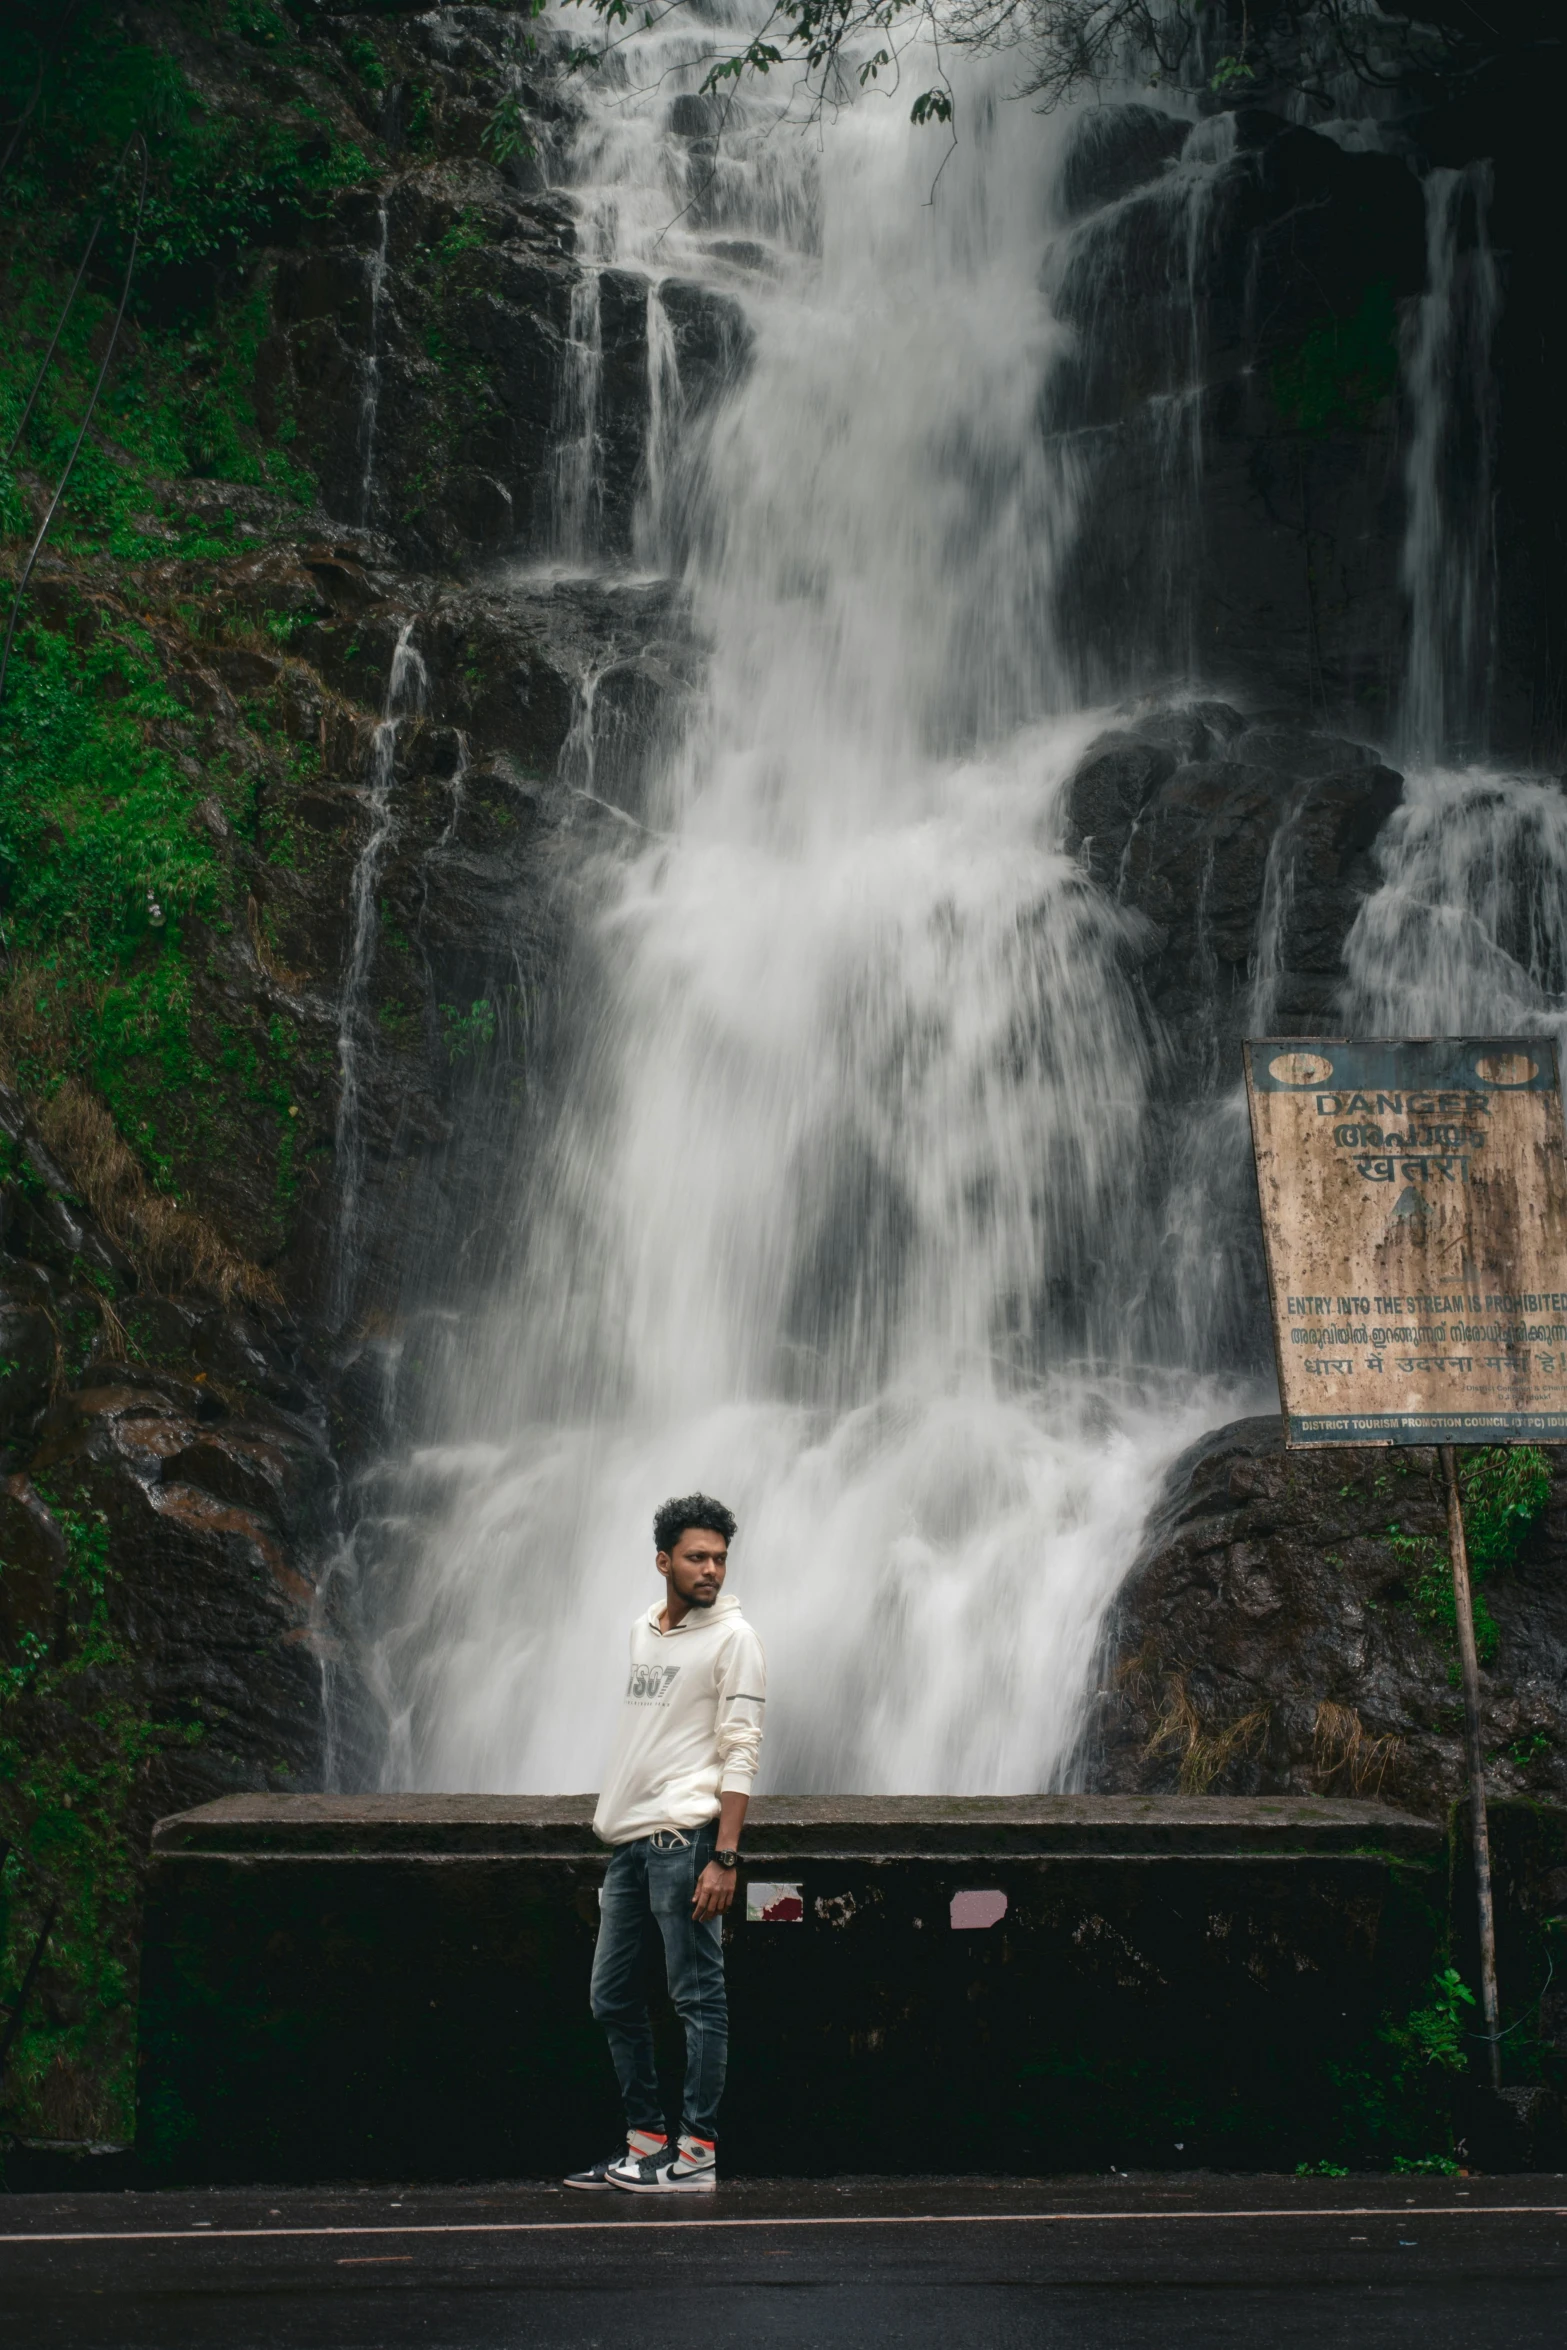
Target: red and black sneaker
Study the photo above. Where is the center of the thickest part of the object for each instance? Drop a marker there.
(693, 2170)
(618, 2170)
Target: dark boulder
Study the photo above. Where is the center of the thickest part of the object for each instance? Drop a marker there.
(1228, 404)
(1284, 1632)
(712, 340)
(1105, 796)
(1114, 149)
(1247, 848)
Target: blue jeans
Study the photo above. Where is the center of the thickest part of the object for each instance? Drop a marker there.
(652, 1881)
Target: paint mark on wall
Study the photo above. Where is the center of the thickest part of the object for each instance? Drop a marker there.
(978, 1909)
(773, 1905)
(836, 1909)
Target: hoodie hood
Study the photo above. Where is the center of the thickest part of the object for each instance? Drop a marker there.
(726, 1604)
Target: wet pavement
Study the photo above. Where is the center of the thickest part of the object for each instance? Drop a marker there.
(1082, 2264)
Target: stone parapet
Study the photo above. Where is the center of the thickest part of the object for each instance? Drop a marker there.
(396, 1986)
(825, 1826)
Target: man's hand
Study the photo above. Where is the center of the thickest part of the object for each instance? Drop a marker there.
(715, 1890)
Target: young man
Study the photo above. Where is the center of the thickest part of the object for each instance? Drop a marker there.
(674, 1800)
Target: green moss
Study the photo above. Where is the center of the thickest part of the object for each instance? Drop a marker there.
(468, 1033)
(218, 181)
(1505, 1489)
(95, 835)
(1396, 2104)
(1337, 379)
(75, 1746)
(363, 58)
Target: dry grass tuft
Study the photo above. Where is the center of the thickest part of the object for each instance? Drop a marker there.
(35, 1018)
(1206, 1751)
(165, 1242)
(1341, 1751)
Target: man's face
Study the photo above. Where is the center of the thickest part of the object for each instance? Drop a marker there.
(696, 1565)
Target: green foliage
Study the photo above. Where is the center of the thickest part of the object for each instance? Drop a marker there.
(99, 858)
(363, 57)
(94, 822)
(75, 1745)
(1401, 2096)
(1322, 2170)
(1505, 1490)
(466, 235)
(931, 106)
(1425, 2166)
(506, 133)
(1339, 376)
(1433, 2034)
(254, 22)
(217, 182)
(469, 1032)
(421, 107)
(1067, 47)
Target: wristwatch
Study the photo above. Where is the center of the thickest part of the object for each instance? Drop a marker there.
(727, 1860)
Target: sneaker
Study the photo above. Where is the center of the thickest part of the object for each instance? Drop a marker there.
(617, 2170)
(693, 2171)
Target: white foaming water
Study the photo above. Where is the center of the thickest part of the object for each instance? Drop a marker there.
(1468, 933)
(370, 365)
(1449, 538)
(842, 1219)
(406, 686)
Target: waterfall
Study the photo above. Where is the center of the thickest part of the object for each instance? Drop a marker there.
(1449, 550)
(842, 1216)
(577, 487)
(865, 1202)
(1468, 932)
(370, 367)
(664, 407)
(406, 686)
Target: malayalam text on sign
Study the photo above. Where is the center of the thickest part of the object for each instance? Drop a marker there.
(1414, 1209)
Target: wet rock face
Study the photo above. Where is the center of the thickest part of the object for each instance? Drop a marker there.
(1245, 846)
(211, 1497)
(1283, 1633)
(421, 355)
(1236, 291)
(426, 342)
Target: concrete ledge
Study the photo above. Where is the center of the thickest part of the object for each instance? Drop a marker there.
(396, 1986)
(365, 1826)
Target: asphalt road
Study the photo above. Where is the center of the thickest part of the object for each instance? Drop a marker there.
(1444, 2264)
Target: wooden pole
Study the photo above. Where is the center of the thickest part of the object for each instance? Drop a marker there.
(1469, 1660)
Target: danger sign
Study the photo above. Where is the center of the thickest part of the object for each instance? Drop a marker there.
(1414, 1211)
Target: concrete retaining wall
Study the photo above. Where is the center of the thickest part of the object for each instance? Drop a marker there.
(397, 1986)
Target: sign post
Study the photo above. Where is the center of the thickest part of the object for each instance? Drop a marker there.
(1414, 1215)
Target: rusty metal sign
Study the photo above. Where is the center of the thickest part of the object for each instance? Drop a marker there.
(1414, 1211)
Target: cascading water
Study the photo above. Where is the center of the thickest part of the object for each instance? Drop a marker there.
(1468, 933)
(842, 1216)
(1449, 557)
(370, 364)
(851, 1210)
(406, 686)
(1469, 930)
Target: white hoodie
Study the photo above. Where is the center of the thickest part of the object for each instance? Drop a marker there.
(691, 1724)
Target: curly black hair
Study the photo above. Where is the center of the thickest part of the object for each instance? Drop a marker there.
(673, 1518)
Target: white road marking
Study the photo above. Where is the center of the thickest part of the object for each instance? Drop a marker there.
(207, 2234)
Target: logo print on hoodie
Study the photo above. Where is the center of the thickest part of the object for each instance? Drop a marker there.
(649, 1683)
